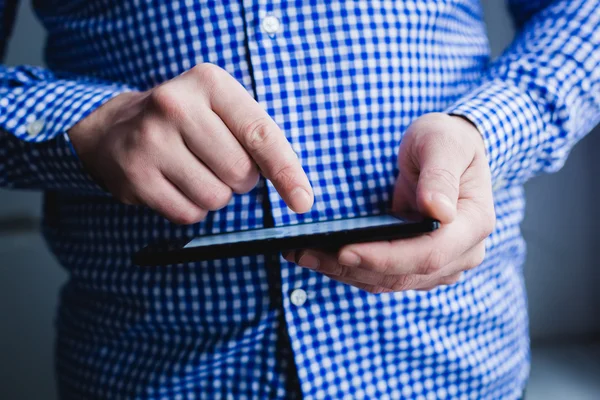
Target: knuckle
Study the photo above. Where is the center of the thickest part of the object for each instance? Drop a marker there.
(165, 101)
(258, 134)
(433, 263)
(206, 72)
(244, 175)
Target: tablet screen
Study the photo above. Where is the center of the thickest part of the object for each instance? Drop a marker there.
(294, 230)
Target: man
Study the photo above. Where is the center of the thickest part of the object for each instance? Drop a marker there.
(159, 120)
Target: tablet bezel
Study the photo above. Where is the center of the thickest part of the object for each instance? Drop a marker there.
(174, 252)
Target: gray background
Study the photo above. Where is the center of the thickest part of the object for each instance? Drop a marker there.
(561, 272)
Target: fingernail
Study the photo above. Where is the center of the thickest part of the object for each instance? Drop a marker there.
(350, 259)
(301, 200)
(309, 261)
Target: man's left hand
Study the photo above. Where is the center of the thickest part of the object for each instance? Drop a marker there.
(444, 174)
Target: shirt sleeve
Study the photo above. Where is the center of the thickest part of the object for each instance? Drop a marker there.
(37, 108)
(543, 94)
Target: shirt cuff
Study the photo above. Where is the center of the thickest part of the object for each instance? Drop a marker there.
(41, 110)
(49, 165)
(512, 126)
(37, 115)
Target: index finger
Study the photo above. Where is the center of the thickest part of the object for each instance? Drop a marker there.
(264, 142)
(424, 254)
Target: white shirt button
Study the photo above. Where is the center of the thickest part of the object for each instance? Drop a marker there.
(34, 128)
(271, 24)
(298, 297)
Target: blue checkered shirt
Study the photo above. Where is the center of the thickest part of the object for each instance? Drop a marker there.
(343, 79)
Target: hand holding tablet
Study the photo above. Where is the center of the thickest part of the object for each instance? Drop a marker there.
(324, 234)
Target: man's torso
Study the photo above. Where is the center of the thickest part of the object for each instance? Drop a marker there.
(343, 79)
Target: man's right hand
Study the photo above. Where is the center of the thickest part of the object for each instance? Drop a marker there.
(185, 146)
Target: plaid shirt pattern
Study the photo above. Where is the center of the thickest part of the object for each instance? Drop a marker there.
(343, 79)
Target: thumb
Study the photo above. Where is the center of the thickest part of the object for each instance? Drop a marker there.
(439, 181)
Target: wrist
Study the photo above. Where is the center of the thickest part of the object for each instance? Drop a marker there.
(85, 135)
(472, 131)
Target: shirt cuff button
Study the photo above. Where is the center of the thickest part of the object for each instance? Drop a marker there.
(35, 128)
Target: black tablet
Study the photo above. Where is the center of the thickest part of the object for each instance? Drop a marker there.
(328, 235)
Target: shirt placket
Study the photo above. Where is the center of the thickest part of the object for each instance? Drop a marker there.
(270, 54)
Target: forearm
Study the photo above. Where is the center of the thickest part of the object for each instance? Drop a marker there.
(542, 95)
